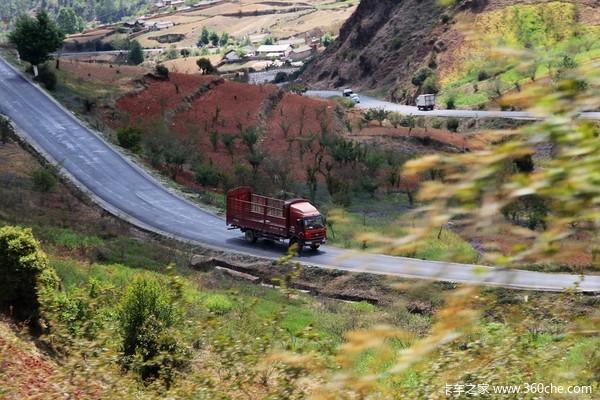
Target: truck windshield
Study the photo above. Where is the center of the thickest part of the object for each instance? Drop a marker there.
(314, 222)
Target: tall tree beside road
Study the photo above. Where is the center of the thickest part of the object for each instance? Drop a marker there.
(136, 54)
(35, 38)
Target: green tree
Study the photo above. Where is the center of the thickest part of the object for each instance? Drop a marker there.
(35, 38)
(68, 21)
(146, 315)
(204, 36)
(224, 39)
(205, 66)
(214, 38)
(421, 75)
(130, 137)
(327, 39)
(25, 276)
(136, 54)
(45, 179)
(250, 138)
(207, 175)
(229, 143)
(268, 40)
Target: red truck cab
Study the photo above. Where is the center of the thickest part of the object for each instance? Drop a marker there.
(264, 217)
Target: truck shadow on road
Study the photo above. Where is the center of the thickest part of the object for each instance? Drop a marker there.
(268, 248)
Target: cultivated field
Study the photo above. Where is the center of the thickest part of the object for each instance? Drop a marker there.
(282, 19)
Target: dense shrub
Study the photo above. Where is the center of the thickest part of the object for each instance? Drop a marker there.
(25, 276)
(530, 211)
(45, 179)
(431, 85)
(482, 76)
(162, 71)
(205, 66)
(47, 78)
(130, 138)
(452, 124)
(451, 103)
(146, 318)
(421, 75)
(207, 175)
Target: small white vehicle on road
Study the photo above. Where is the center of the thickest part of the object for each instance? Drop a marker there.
(347, 92)
(355, 98)
(426, 102)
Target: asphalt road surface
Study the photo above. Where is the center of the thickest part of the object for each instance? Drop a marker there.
(127, 191)
(371, 102)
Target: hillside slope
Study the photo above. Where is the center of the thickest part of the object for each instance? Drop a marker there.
(386, 42)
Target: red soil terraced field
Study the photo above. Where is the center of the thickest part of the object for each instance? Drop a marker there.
(198, 105)
(197, 108)
(147, 106)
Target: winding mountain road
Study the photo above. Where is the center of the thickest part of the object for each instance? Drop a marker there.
(124, 189)
(371, 102)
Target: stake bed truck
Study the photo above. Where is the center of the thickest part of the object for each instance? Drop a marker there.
(269, 218)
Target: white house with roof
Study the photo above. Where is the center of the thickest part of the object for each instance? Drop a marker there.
(274, 50)
(158, 25)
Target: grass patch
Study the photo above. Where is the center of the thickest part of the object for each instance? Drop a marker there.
(354, 231)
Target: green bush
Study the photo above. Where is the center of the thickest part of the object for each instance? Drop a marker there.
(130, 138)
(47, 78)
(45, 179)
(451, 103)
(421, 75)
(482, 75)
(430, 85)
(136, 54)
(218, 304)
(452, 124)
(161, 71)
(207, 175)
(146, 318)
(25, 276)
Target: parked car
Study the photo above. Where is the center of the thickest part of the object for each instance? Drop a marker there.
(426, 102)
(347, 92)
(355, 98)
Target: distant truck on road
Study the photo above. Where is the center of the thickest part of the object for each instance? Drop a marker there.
(426, 102)
(264, 217)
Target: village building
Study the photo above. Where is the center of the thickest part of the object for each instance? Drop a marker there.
(301, 53)
(232, 56)
(274, 50)
(158, 25)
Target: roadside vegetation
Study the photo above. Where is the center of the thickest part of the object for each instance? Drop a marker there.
(131, 319)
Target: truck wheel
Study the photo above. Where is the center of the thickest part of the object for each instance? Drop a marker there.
(315, 247)
(250, 236)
